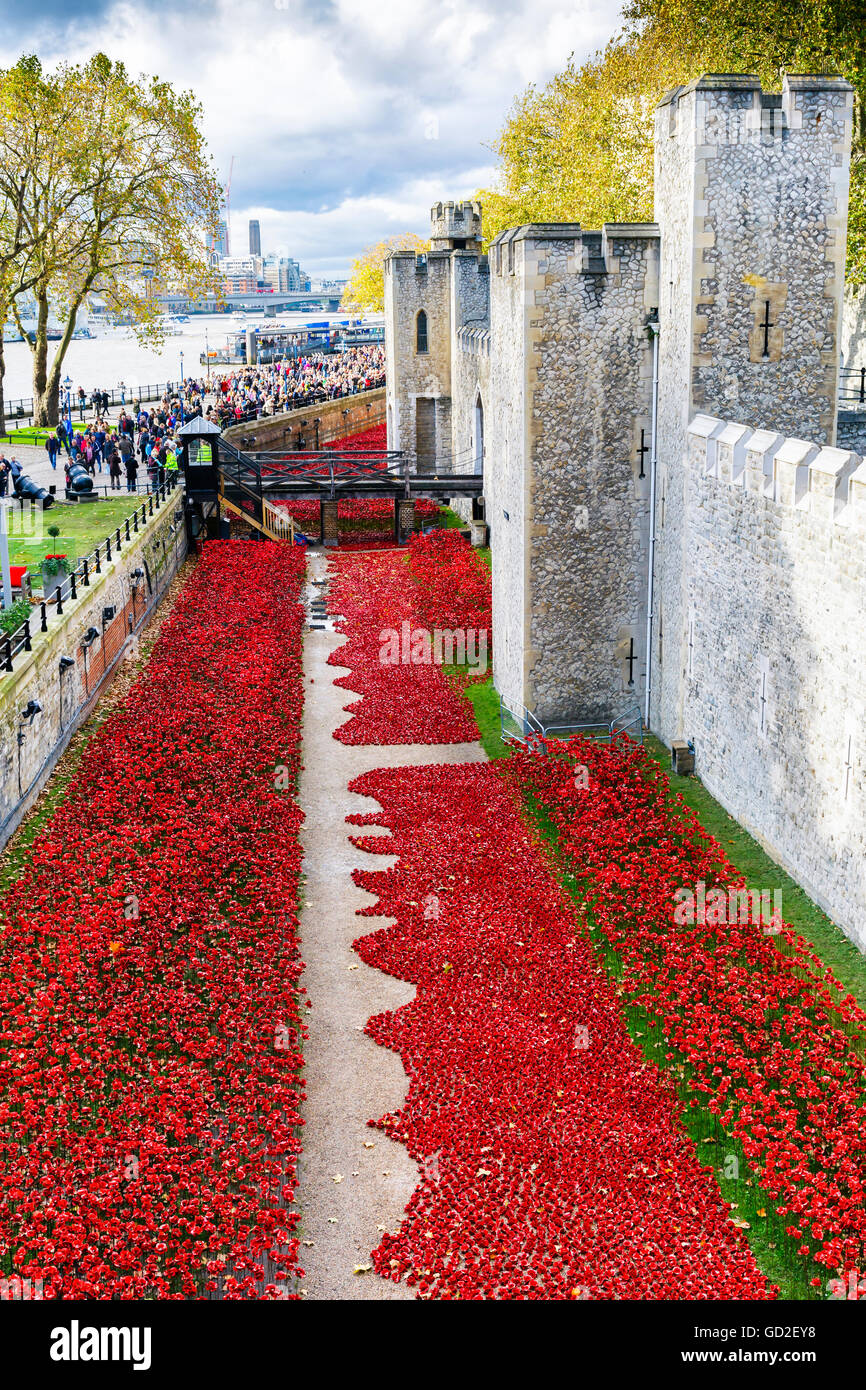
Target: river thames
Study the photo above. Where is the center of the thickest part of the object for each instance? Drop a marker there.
(113, 355)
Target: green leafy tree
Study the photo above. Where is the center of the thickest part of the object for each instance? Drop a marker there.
(580, 148)
(118, 195)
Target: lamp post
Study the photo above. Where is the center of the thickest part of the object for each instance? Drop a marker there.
(181, 388)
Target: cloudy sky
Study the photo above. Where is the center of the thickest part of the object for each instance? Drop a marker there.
(346, 118)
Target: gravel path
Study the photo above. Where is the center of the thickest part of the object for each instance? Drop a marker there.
(349, 1078)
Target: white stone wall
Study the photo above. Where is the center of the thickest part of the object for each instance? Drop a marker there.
(505, 478)
(853, 342)
(774, 682)
(63, 695)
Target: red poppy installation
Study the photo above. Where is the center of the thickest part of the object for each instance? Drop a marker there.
(774, 1047)
(454, 583)
(406, 697)
(553, 1162)
(149, 1001)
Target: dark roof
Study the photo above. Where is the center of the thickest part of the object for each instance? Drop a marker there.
(195, 428)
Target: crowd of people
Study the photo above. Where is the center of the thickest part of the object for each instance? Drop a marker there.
(143, 439)
(251, 392)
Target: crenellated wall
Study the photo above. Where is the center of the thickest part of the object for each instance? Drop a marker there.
(773, 666)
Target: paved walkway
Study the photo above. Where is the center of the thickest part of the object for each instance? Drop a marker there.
(350, 1079)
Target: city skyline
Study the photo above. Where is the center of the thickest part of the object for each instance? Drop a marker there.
(390, 109)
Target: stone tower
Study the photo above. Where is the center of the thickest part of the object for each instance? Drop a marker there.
(428, 297)
(751, 193)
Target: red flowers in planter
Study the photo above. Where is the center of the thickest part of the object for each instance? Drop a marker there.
(553, 1164)
(149, 1024)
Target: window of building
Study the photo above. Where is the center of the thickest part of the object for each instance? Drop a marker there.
(421, 332)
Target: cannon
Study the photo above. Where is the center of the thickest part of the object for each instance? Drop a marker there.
(27, 491)
(79, 483)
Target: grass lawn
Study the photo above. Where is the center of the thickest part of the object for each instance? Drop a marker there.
(758, 869)
(32, 434)
(82, 527)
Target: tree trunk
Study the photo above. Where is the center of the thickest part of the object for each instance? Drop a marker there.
(44, 409)
(52, 382)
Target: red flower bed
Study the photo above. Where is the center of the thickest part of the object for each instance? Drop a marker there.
(403, 700)
(359, 519)
(773, 1044)
(149, 1024)
(454, 582)
(374, 438)
(554, 1164)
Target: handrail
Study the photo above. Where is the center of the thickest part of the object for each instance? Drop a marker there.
(19, 412)
(19, 640)
(857, 392)
(630, 722)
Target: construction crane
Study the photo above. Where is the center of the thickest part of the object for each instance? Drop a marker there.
(229, 209)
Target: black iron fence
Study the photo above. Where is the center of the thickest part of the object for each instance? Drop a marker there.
(852, 385)
(72, 586)
(19, 413)
(297, 402)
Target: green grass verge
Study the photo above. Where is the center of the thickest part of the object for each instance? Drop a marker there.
(36, 435)
(760, 871)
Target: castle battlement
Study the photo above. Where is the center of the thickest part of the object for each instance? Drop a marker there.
(826, 483)
(455, 226)
(711, 571)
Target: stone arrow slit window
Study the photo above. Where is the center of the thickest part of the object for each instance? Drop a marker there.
(421, 331)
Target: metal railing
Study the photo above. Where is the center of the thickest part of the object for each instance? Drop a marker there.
(852, 385)
(522, 726)
(80, 576)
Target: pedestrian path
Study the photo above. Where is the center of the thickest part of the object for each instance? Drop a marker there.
(354, 1183)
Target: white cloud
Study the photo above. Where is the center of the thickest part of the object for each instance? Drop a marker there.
(347, 118)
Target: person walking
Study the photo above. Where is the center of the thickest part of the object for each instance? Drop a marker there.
(131, 473)
(63, 439)
(52, 444)
(114, 469)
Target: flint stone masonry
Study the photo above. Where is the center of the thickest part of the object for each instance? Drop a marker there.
(578, 509)
(751, 198)
(851, 430)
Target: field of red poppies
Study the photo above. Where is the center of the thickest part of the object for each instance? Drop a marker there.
(360, 521)
(554, 1163)
(150, 1035)
(403, 699)
(764, 1040)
